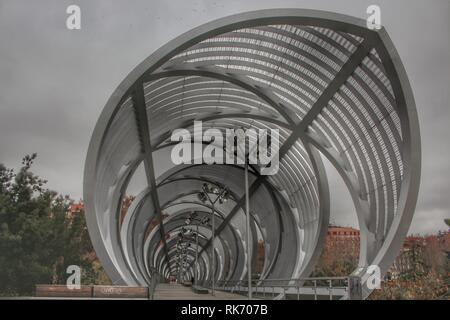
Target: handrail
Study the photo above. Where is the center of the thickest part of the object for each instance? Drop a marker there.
(274, 287)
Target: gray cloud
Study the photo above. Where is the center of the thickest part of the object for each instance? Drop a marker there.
(55, 82)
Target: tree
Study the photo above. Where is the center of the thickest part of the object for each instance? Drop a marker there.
(37, 239)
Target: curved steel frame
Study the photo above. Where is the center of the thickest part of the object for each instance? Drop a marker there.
(330, 85)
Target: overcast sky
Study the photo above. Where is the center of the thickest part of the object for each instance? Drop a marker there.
(54, 82)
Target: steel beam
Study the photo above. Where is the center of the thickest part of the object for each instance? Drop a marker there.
(144, 134)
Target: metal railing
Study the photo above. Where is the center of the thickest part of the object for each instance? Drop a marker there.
(316, 287)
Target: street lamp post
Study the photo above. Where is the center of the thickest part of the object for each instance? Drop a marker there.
(247, 216)
(185, 248)
(182, 255)
(196, 255)
(256, 149)
(222, 195)
(213, 267)
(204, 221)
(241, 135)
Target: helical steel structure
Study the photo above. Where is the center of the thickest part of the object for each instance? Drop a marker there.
(331, 86)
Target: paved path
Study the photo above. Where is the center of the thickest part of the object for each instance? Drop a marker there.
(165, 291)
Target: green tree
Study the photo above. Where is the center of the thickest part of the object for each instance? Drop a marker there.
(37, 238)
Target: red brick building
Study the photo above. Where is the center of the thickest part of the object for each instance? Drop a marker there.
(420, 253)
(340, 253)
(343, 239)
(74, 209)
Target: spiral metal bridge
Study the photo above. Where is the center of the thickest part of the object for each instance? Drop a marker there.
(333, 88)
